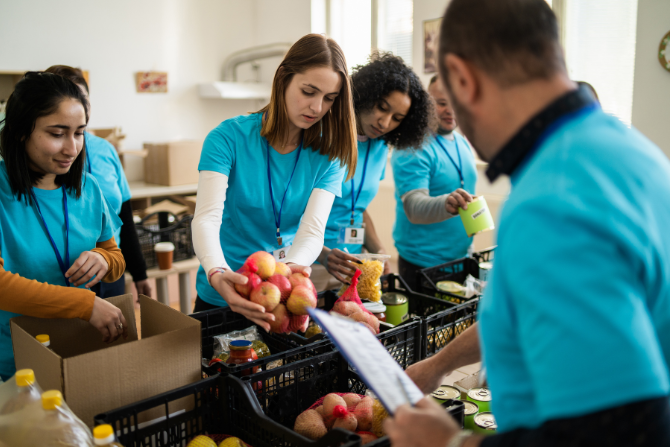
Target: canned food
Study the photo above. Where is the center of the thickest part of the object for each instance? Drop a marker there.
(485, 424)
(453, 288)
(485, 270)
(471, 410)
(482, 397)
(446, 392)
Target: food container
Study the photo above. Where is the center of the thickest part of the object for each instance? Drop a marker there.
(450, 287)
(446, 392)
(397, 307)
(485, 424)
(369, 283)
(485, 270)
(471, 410)
(477, 218)
(377, 309)
(482, 397)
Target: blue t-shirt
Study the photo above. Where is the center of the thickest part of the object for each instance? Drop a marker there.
(106, 167)
(428, 245)
(25, 246)
(576, 316)
(341, 211)
(235, 148)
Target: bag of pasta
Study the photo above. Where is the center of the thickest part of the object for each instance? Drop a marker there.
(369, 283)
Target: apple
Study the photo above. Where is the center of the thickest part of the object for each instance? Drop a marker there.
(253, 280)
(282, 320)
(263, 262)
(267, 295)
(283, 284)
(298, 279)
(282, 269)
(298, 323)
(300, 300)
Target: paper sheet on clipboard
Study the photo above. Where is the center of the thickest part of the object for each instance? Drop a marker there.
(374, 364)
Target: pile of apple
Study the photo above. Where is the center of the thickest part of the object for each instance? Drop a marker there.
(282, 293)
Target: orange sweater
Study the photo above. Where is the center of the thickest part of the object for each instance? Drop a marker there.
(37, 299)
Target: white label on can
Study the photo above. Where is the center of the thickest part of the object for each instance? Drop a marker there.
(478, 213)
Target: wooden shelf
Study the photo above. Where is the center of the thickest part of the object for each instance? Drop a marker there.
(142, 190)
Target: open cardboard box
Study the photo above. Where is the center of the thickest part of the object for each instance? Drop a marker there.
(95, 377)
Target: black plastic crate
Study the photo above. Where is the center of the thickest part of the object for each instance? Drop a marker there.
(165, 227)
(214, 406)
(223, 320)
(456, 271)
(442, 327)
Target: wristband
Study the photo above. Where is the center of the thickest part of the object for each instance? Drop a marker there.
(214, 272)
(459, 438)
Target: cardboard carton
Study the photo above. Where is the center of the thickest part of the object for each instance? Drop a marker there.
(95, 377)
(172, 164)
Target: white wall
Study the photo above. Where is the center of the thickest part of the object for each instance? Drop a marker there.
(651, 93)
(190, 39)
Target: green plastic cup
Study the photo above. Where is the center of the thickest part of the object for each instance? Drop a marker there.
(477, 217)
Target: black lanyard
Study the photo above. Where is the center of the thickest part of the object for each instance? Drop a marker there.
(360, 188)
(459, 167)
(281, 207)
(63, 265)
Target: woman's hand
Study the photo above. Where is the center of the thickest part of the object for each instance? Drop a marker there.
(224, 283)
(305, 270)
(108, 320)
(87, 265)
(338, 264)
(458, 199)
(143, 288)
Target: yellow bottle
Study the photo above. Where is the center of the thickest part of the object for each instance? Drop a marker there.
(104, 435)
(27, 392)
(58, 425)
(44, 339)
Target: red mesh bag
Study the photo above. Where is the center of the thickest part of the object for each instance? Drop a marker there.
(351, 294)
(351, 404)
(350, 305)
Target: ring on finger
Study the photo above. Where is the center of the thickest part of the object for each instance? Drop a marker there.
(119, 327)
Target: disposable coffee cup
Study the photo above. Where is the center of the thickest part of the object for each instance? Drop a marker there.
(164, 252)
(477, 218)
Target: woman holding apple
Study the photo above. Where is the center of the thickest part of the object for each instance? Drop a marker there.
(268, 179)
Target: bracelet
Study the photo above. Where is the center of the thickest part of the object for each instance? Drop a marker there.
(459, 438)
(214, 272)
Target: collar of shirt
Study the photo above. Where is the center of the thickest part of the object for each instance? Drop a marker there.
(362, 138)
(523, 143)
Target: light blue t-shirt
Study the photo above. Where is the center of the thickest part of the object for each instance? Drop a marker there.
(25, 246)
(430, 168)
(341, 211)
(576, 317)
(106, 167)
(235, 148)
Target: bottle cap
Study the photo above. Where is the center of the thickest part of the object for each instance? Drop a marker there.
(44, 339)
(25, 377)
(103, 434)
(52, 399)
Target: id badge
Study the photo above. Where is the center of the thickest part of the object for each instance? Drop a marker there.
(281, 253)
(351, 235)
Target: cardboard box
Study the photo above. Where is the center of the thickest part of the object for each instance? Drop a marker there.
(172, 164)
(95, 377)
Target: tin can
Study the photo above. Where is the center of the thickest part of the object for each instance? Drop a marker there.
(397, 307)
(471, 410)
(485, 270)
(485, 424)
(451, 288)
(482, 397)
(446, 392)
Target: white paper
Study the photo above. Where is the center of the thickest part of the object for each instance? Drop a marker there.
(374, 364)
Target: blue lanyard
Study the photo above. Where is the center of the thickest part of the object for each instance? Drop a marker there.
(458, 167)
(272, 199)
(360, 188)
(63, 265)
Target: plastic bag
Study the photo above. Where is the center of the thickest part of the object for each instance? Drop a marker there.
(369, 284)
(473, 286)
(251, 333)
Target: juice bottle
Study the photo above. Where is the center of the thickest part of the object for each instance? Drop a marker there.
(104, 435)
(58, 426)
(26, 392)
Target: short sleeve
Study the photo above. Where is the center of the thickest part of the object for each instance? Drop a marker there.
(111, 222)
(331, 180)
(218, 150)
(121, 174)
(411, 170)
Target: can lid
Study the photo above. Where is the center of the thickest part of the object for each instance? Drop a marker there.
(446, 392)
(240, 345)
(52, 399)
(449, 286)
(393, 298)
(103, 434)
(486, 421)
(25, 377)
(375, 308)
(44, 339)
(482, 394)
(470, 407)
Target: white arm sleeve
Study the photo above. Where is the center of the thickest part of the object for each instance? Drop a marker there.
(206, 223)
(308, 241)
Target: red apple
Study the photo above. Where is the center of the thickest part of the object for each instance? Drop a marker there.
(263, 262)
(300, 300)
(298, 279)
(267, 295)
(282, 320)
(253, 280)
(283, 284)
(282, 269)
(298, 323)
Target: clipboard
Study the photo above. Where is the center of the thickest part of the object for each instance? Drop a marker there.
(380, 372)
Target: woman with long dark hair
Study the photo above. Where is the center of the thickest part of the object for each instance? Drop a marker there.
(56, 232)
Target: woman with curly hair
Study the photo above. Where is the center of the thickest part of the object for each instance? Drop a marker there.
(392, 109)
(431, 184)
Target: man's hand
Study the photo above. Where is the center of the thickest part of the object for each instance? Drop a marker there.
(224, 283)
(108, 320)
(143, 288)
(425, 425)
(426, 375)
(458, 199)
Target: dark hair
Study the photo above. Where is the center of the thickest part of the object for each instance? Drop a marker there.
(36, 95)
(590, 87)
(513, 41)
(382, 75)
(73, 74)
